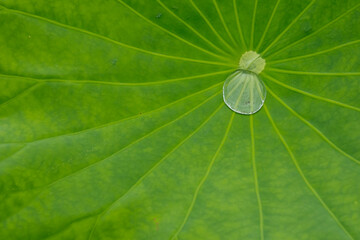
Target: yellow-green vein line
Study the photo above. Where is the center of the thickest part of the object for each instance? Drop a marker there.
(292, 156)
(253, 25)
(251, 95)
(234, 88)
(267, 26)
(246, 81)
(310, 94)
(239, 25)
(191, 28)
(145, 83)
(211, 26)
(258, 89)
(113, 205)
(256, 182)
(143, 137)
(117, 42)
(315, 32)
(14, 153)
(208, 170)
(288, 27)
(328, 141)
(169, 32)
(240, 95)
(129, 118)
(58, 232)
(313, 73)
(223, 22)
(260, 94)
(160, 82)
(315, 53)
(78, 171)
(21, 94)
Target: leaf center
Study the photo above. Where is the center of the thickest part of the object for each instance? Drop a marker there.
(251, 61)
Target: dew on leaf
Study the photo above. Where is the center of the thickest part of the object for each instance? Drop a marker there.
(243, 91)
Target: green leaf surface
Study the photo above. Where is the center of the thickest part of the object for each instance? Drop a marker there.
(113, 126)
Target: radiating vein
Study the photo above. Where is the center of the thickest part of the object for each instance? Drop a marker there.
(246, 81)
(315, 32)
(256, 182)
(191, 28)
(78, 171)
(314, 192)
(116, 42)
(239, 25)
(259, 90)
(288, 27)
(168, 32)
(208, 170)
(21, 94)
(67, 226)
(313, 127)
(310, 94)
(160, 82)
(315, 53)
(237, 85)
(267, 26)
(113, 205)
(14, 153)
(223, 22)
(252, 95)
(211, 26)
(128, 118)
(313, 73)
(147, 83)
(253, 25)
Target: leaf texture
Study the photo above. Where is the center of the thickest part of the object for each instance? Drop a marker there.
(113, 126)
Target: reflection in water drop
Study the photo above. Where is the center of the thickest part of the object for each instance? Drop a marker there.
(243, 90)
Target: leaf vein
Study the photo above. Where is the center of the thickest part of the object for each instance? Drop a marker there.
(256, 182)
(315, 53)
(315, 129)
(308, 184)
(310, 94)
(119, 83)
(253, 25)
(317, 31)
(167, 31)
(127, 118)
(113, 205)
(238, 24)
(65, 26)
(78, 171)
(313, 73)
(204, 178)
(267, 25)
(191, 28)
(21, 94)
(289, 26)
(211, 26)
(223, 22)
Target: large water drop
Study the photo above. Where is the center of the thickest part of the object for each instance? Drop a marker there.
(243, 91)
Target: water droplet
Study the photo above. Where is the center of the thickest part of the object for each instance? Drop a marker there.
(243, 91)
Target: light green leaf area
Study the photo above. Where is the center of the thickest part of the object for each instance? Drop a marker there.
(113, 125)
